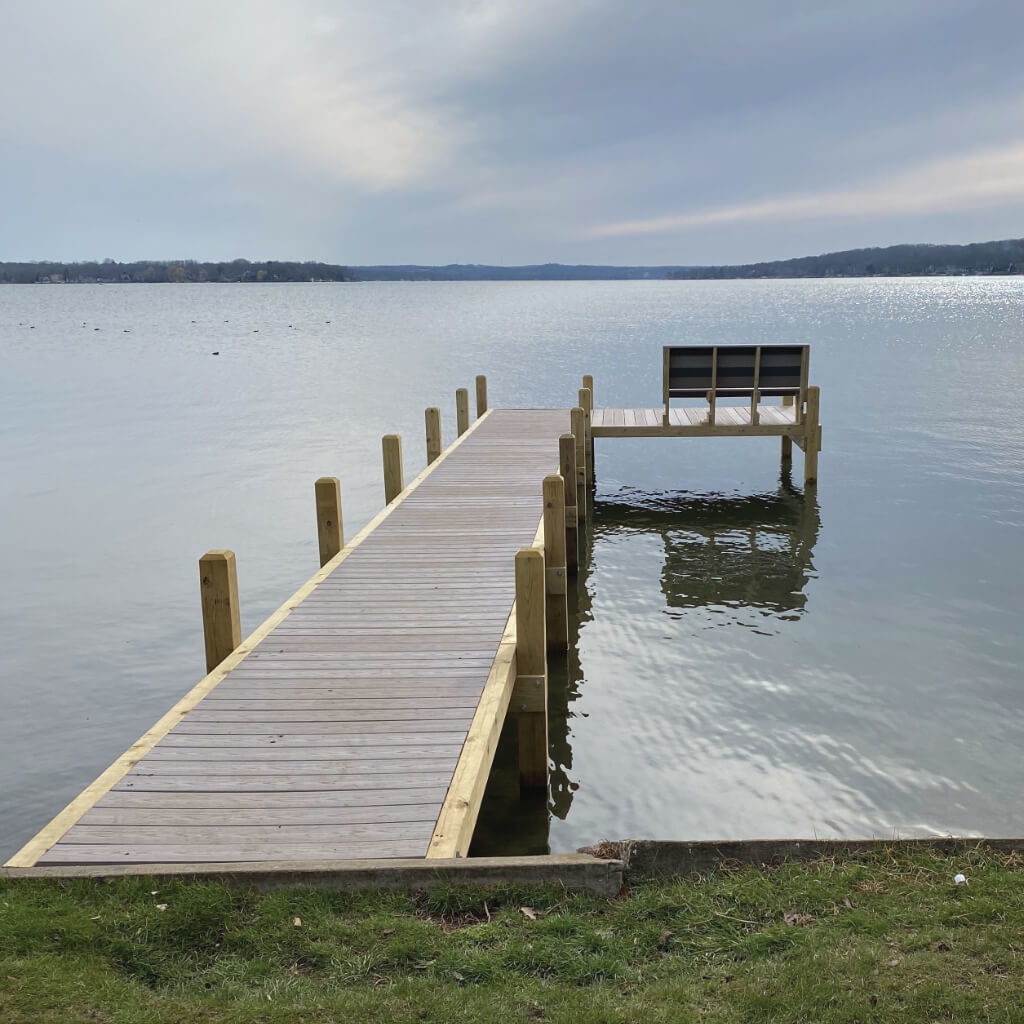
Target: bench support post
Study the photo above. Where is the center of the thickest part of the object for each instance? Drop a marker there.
(567, 469)
(812, 437)
(529, 704)
(665, 372)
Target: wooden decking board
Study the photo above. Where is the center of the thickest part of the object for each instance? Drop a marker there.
(339, 704)
(312, 751)
(224, 852)
(344, 728)
(284, 741)
(281, 715)
(287, 690)
(200, 816)
(269, 782)
(144, 835)
(253, 803)
(337, 735)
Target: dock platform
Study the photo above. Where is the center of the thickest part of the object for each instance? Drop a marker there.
(771, 421)
(336, 731)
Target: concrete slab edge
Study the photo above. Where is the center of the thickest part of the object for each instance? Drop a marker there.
(600, 876)
(668, 858)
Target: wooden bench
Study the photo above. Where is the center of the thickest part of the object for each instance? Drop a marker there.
(736, 371)
(710, 372)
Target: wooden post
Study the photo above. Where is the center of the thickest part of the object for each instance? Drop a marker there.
(567, 468)
(462, 410)
(579, 433)
(218, 588)
(812, 436)
(713, 393)
(555, 572)
(755, 393)
(433, 421)
(666, 376)
(530, 695)
(481, 395)
(329, 528)
(394, 482)
(588, 387)
(787, 442)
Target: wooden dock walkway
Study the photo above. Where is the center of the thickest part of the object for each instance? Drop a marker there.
(343, 728)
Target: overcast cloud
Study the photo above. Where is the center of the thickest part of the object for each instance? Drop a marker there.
(507, 131)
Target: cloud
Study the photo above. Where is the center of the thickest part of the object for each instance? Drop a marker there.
(172, 86)
(978, 179)
(502, 130)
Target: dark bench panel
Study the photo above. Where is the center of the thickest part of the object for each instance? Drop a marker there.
(734, 371)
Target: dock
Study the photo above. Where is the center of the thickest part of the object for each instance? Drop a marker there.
(359, 722)
(337, 730)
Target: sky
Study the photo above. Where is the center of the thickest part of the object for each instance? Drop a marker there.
(507, 131)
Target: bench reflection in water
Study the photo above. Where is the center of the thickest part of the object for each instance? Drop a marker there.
(753, 551)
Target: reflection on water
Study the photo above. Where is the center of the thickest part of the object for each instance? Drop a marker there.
(736, 560)
(745, 552)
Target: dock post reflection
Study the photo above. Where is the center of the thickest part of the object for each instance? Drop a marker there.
(514, 822)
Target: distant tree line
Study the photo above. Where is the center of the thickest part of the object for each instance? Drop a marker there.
(978, 258)
(532, 272)
(172, 271)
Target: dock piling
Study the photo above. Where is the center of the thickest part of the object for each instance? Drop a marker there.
(394, 482)
(787, 442)
(481, 395)
(462, 410)
(218, 587)
(530, 694)
(588, 386)
(812, 436)
(578, 421)
(567, 469)
(329, 527)
(555, 571)
(432, 418)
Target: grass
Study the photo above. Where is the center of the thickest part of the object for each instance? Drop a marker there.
(886, 937)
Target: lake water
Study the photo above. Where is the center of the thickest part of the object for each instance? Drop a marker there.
(748, 663)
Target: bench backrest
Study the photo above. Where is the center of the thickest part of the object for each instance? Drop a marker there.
(736, 371)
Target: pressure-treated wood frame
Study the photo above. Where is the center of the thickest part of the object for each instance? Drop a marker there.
(795, 421)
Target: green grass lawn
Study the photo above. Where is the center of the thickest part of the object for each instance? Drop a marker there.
(887, 937)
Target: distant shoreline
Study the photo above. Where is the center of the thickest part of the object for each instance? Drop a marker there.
(563, 280)
(1003, 258)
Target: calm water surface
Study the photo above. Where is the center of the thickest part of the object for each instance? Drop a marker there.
(747, 663)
